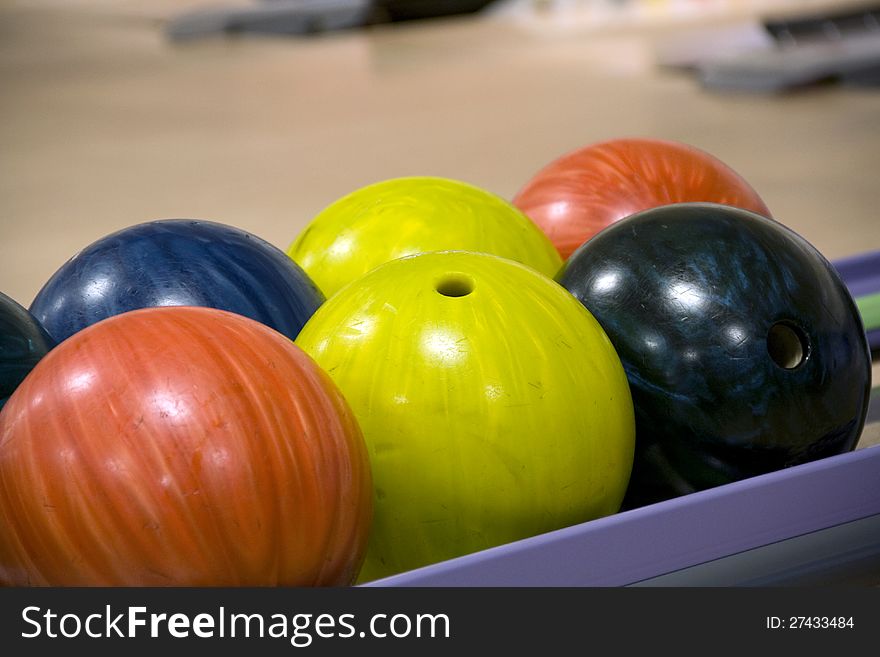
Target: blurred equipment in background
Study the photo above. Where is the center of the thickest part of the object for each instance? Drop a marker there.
(780, 54)
(303, 17)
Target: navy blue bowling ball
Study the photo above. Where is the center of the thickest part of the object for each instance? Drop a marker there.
(23, 342)
(177, 262)
(744, 350)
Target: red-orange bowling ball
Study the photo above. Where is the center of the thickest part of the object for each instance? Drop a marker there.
(582, 192)
(181, 447)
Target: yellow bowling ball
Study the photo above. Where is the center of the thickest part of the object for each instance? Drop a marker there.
(493, 405)
(405, 216)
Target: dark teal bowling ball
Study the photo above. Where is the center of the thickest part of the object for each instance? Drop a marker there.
(23, 342)
(744, 350)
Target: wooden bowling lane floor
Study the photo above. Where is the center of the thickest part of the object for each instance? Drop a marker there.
(106, 123)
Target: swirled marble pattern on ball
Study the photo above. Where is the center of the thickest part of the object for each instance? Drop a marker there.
(744, 350)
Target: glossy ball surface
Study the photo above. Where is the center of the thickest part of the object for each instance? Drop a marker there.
(493, 405)
(23, 342)
(177, 262)
(405, 216)
(180, 447)
(582, 192)
(744, 350)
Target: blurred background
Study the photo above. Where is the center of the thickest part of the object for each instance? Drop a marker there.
(259, 113)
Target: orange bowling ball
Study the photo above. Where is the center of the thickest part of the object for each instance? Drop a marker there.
(574, 197)
(181, 446)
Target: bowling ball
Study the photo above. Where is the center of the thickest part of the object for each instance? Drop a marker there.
(582, 192)
(177, 262)
(744, 350)
(180, 447)
(405, 216)
(493, 405)
(23, 342)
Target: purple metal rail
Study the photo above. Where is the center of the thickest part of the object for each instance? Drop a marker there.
(635, 545)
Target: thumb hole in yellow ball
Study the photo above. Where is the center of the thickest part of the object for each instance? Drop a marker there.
(454, 285)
